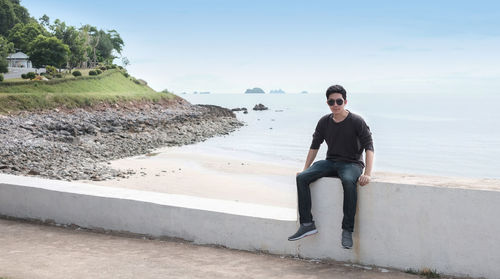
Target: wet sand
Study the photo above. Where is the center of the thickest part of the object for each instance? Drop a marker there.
(177, 170)
(195, 172)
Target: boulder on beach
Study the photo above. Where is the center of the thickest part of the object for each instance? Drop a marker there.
(239, 109)
(260, 107)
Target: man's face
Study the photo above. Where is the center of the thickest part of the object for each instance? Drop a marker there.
(333, 102)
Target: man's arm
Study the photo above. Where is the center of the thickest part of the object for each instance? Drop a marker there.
(311, 155)
(318, 138)
(366, 177)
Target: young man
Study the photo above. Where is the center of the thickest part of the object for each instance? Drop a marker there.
(347, 136)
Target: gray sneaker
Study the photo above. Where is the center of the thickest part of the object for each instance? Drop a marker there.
(346, 239)
(303, 232)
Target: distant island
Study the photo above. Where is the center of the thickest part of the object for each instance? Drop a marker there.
(304, 92)
(255, 90)
(204, 92)
(279, 91)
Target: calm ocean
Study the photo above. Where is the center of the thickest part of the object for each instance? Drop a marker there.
(447, 135)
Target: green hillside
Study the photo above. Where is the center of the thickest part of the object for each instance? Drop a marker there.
(109, 87)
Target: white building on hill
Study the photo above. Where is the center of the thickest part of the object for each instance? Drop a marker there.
(19, 60)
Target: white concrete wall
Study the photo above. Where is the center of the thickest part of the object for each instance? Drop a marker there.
(204, 221)
(454, 231)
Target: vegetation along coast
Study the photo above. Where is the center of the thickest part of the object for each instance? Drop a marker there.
(66, 109)
(72, 136)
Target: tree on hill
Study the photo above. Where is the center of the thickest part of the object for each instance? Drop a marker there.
(116, 40)
(125, 61)
(70, 36)
(6, 47)
(75, 42)
(104, 47)
(100, 44)
(84, 32)
(21, 12)
(23, 34)
(8, 17)
(87, 45)
(11, 13)
(48, 51)
(91, 40)
(44, 21)
(108, 42)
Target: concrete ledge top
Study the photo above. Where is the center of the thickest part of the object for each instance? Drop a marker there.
(229, 206)
(222, 206)
(438, 181)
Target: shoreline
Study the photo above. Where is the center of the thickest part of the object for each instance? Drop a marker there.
(194, 172)
(147, 146)
(78, 144)
(183, 171)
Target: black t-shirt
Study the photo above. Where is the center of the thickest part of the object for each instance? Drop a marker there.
(346, 140)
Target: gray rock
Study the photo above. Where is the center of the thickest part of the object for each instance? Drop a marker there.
(75, 145)
(260, 107)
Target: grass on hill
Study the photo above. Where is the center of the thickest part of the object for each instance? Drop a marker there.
(109, 87)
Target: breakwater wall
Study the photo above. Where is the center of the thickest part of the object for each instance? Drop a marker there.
(450, 230)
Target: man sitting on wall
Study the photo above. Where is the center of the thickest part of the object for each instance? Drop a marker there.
(347, 136)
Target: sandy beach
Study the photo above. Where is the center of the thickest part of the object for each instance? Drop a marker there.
(192, 170)
(189, 171)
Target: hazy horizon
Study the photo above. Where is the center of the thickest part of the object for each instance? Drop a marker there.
(229, 46)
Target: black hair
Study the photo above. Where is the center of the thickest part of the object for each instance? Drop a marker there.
(336, 89)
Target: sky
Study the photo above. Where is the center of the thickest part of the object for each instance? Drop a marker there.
(227, 46)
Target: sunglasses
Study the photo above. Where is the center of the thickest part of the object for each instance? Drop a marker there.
(332, 102)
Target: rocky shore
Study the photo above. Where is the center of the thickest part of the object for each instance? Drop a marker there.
(77, 144)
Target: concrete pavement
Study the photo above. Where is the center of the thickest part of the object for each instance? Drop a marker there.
(29, 250)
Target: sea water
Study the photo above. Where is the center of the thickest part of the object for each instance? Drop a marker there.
(447, 135)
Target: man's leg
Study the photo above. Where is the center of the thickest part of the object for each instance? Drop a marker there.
(304, 179)
(349, 174)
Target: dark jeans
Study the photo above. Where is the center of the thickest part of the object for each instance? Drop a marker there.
(348, 174)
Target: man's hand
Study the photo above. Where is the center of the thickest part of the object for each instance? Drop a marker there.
(299, 172)
(364, 179)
